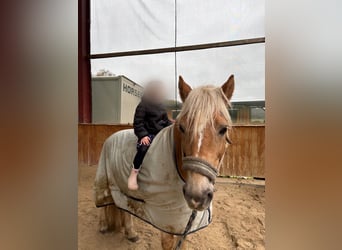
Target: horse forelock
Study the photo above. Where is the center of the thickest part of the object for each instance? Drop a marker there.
(200, 109)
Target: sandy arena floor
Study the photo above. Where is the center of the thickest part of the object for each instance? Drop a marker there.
(238, 210)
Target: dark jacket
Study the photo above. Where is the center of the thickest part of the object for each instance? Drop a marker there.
(149, 118)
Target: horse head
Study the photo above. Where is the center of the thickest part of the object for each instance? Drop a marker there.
(202, 129)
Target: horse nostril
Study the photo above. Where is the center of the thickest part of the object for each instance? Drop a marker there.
(210, 195)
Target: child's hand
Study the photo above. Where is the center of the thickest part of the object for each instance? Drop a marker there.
(145, 140)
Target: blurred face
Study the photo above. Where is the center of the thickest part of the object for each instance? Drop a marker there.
(155, 92)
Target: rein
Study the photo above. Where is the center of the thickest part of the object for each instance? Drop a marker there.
(187, 228)
(182, 173)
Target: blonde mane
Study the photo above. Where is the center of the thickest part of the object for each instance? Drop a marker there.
(200, 108)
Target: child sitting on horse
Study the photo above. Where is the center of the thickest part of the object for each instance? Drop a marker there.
(150, 117)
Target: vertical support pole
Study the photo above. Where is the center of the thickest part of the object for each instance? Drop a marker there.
(84, 75)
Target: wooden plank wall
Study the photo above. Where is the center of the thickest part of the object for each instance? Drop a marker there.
(91, 138)
(245, 157)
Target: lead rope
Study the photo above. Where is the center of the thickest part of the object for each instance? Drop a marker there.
(187, 228)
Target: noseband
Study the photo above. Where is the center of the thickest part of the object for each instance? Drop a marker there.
(200, 166)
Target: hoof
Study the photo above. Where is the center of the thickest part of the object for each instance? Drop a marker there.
(133, 239)
(103, 230)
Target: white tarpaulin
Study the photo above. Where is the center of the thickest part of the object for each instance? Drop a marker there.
(125, 25)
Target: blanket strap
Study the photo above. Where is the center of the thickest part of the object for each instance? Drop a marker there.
(187, 228)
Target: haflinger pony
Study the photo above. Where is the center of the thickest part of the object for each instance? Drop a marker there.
(176, 181)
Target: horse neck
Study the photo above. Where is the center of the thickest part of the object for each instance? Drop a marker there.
(177, 139)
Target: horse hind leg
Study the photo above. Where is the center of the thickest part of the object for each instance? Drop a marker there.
(103, 224)
(130, 233)
(109, 219)
(113, 219)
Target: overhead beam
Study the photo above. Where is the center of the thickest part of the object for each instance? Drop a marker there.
(180, 48)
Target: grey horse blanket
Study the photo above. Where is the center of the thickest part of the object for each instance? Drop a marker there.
(159, 200)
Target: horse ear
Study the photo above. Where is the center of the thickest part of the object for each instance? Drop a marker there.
(184, 88)
(228, 87)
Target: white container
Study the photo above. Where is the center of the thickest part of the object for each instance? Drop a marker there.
(114, 99)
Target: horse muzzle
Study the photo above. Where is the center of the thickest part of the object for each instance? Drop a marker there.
(198, 192)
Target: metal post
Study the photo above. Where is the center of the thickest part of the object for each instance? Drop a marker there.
(84, 77)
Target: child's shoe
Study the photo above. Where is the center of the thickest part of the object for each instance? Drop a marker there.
(132, 179)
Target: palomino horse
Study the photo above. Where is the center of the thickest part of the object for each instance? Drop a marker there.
(183, 160)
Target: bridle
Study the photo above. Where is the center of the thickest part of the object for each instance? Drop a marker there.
(195, 164)
(200, 166)
(191, 163)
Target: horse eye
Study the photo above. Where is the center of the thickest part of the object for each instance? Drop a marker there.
(181, 129)
(223, 131)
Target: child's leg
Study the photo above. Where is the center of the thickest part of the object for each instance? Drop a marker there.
(138, 159)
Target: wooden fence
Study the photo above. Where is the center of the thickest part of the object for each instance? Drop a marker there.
(91, 138)
(245, 157)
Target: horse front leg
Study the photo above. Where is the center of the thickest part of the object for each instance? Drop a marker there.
(167, 241)
(184, 243)
(130, 233)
